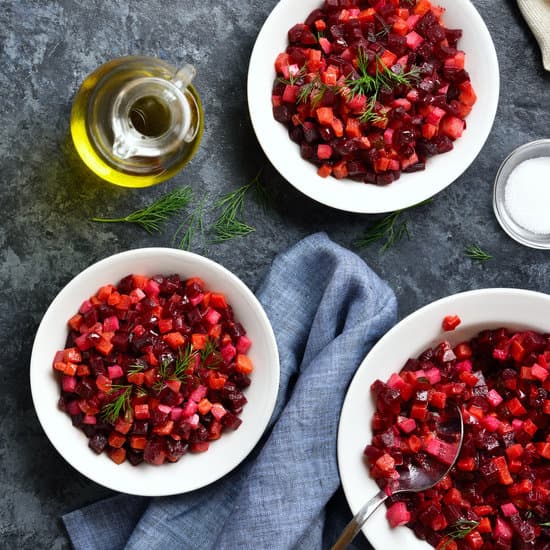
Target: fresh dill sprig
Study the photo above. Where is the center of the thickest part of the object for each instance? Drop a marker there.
(209, 349)
(229, 223)
(292, 78)
(134, 369)
(194, 224)
(314, 90)
(153, 216)
(391, 229)
(475, 253)
(183, 361)
(174, 369)
(459, 530)
(371, 85)
(121, 404)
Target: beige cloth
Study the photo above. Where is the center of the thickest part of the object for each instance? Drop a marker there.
(537, 15)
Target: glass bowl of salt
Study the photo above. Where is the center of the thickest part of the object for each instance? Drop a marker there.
(521, 197)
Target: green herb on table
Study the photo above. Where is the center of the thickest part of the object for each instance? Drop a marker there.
(389, 230)
(229, 223)
(459, 530)
(194, 225)
(153, 216)
(121, 404)
(475, 253)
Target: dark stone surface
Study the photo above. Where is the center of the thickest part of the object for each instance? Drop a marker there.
(47, 196)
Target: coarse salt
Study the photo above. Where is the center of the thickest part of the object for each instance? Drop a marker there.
(527, 195)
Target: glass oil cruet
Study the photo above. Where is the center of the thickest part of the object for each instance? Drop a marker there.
(136, 121)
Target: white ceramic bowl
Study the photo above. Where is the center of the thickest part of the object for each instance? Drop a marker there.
(410, 189)
(531, 150)
(478, 309)
(193, 470)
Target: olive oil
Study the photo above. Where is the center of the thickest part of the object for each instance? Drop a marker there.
(137, 121)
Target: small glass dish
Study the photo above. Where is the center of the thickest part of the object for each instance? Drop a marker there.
(533, 149)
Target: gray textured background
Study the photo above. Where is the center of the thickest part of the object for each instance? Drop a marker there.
(47, 196)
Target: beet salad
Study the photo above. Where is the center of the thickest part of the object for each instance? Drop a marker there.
(370, 89)
(153, 368)
(497, 495)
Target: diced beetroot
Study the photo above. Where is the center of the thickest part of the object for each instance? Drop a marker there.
(243, 344)
(502, 530)
(324, 151)
(115, 371)
(406, 425)
(192, 420)
(199, 393)
(398, 514)
(111, 324)
(89, 419)
(508, 509)
(152, 288)
(494, 398)
(176, 414)
(452, 127)
(441, 450)
(68, 383)
(218, 411)
(414, 40)
(190, 408)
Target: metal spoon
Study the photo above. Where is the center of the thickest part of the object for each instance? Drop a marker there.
(412, 478)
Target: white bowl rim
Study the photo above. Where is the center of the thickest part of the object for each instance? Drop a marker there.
(257, 428)
(378, 538)
(348, 195)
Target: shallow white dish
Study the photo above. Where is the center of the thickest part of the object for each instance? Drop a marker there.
(410, 189)
(193, 470)
(478, 309)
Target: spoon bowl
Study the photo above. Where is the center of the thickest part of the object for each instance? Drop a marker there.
(412, 477)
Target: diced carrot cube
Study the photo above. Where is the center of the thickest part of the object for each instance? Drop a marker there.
(217, 300)
(140, 281)
(244, 364)
(164, 429)
(83, 370)
(116, 440)
(340, 169)
(174, 339)
(73, 355)
(353, 128)
(165, 325)
(75, 321)
(422, 7)
(138, 442)
(141, 411)
(104, 346)
(198, 341)
(118, 456)
(337, 127)
(60, 366)
(325, 115)
(400, 27)
(324, 170)
(70, 369)
(204, 406)
(122, 426)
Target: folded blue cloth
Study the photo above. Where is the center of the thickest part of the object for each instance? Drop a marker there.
(327, 309)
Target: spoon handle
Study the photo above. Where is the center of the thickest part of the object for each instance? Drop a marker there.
(354, 526)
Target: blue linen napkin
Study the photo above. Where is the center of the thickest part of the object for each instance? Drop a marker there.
(327, 309)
